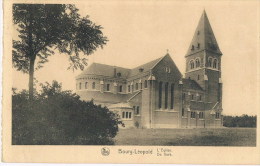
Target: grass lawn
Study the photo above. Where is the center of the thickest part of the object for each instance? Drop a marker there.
(188, 137)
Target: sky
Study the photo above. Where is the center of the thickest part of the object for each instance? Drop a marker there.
(141, 31)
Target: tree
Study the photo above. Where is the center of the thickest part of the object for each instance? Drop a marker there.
(59, 117)
(44, 28)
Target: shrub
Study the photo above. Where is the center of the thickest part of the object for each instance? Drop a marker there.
(239, 121)
(57, 117)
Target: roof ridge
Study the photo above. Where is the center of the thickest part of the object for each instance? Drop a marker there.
(128, 72)
(110, 65)
(133, 96)
(159, 59)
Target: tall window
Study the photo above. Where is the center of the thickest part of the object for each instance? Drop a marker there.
(129, 88)
(192, 97)
(141, 85)
(193, 114)
(172, 96)
(130, 115)
(198, 45)
(210, 62)
(145, 84)
(215, 63)
(86, 85)
(198, 77)
(137, 110)
(136, 86)
(200, 97)
(201, 115)
(108, 87)
(93, 85)
(183, 96)
(120, 88)
(160, 95)
(182, 112)
(191, 64)
(217, 115)
(197, 62)
(80, 85)
(166, 96)
(219, 92)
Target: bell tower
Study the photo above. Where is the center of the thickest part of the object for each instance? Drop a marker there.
(203, 61)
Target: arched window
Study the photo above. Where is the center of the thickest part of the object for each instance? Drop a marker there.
(215, 63)
(86, 85)
(93, 85)
(197, 62)
(182, 112)
(191, 64)
(160, 95)
(210, 62)
(136, 86)
(145, 84)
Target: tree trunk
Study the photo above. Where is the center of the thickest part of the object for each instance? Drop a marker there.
(31, 76)
(32, 57)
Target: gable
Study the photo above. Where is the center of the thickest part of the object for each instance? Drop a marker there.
(166, 70)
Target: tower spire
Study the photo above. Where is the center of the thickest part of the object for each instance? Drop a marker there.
(204, 38)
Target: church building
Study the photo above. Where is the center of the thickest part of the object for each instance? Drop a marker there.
(156, 94)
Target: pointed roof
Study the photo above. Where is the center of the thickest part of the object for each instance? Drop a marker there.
(203, 38)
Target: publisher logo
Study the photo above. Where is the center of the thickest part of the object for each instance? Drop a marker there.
(105, 151)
